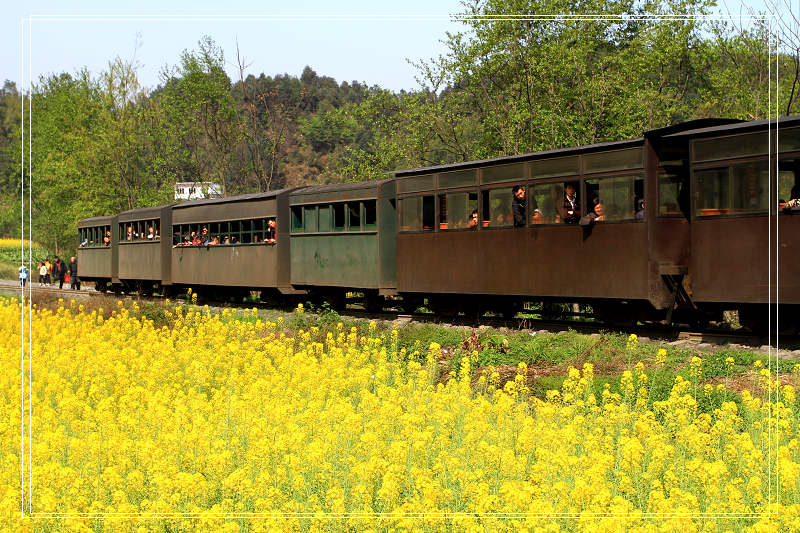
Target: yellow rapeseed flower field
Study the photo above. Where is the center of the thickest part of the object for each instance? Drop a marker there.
(240, 417)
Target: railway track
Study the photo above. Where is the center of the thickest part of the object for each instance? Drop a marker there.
(789, 346)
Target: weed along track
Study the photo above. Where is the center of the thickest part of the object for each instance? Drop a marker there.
(656, 333)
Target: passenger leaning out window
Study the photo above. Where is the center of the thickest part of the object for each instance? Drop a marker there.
(270, 234)
(518, 205)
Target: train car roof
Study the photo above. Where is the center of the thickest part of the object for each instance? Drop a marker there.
(348, 186)
(142, 213)
(735, 127)
(233, 199)
(95, 221)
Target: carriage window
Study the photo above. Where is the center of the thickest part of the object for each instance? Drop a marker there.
(370, 215)
(456, 210)
(247, 232)
(788, 182)
(297, 219)
(354, 211)
(547, 202)
(325, 218)
(310, 220)
(672, 194)
(750, 188)
(428, 212)
(614, 160)
(730, 147)
(738, 189)
(338, 217)
(617, 198)
(411, 214)
(711, 191)
(497, 208)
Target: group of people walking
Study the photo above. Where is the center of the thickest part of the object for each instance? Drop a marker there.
(57, 270)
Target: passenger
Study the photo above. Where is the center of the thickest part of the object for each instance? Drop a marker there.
(226, 240)
(473, 219)
(107, 239)
(130, 235)
(215, 240)
(157, 235)
(204, 238)
(42, 273)
(84, 243)
(234, 239)
(150, 233)
(195, 239)
(518, 205)
(597, 215)
(571, 211)
(49, 265)
(187, 240)
(640, 210)
(255, 238)
(271, 231)
(23, 274)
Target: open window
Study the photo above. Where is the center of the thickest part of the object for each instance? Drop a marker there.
(615, 199)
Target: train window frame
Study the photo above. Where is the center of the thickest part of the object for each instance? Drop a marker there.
(560, 180)
(781, 201)
(403, 212)
(296, 214)
(310, 219)
(339, 216)
(640, 176)
(325, 213)
(681, 212)
(484, 204)
(728, 210)
(445, 225)
(352, 207)
(738, 153)
(424, 201)
(369, 210)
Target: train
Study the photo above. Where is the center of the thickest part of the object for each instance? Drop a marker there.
(678, 226)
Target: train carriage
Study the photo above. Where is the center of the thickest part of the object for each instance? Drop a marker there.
(633, 264)
(95, 252)
(242, 253)
(744, 237)
(343, 239)
(141, 259)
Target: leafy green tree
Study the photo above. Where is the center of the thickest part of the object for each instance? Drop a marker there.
(200, 117)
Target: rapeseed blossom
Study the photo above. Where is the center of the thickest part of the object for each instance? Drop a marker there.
(219, 415)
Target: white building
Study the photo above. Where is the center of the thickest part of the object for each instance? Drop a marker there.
(195, 190)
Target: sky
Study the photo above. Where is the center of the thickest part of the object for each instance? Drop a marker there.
(363, 41)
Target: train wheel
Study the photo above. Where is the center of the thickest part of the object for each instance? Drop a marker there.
(101, 286)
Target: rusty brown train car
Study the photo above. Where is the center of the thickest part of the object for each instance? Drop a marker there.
(680, 224)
